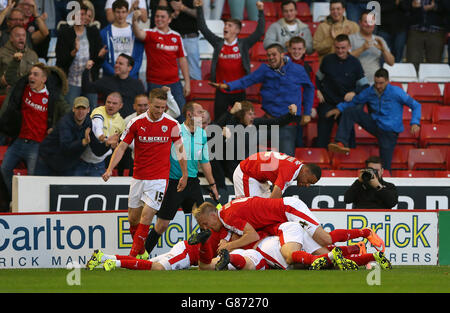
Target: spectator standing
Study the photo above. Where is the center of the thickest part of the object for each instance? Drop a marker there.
(385, 120)
(340, 78)
(213, 9)
(356, 7)
(283, 83)
(75, 46)
(30, 111)
(288, 27)
(15, 51)
(107, 126)
(393, 27)
(334, 25)
(118, 37)
(184, 22)
(133, 5)
(121, 81)
(231, 56)
(371, 50)
(165, 50)
(237, 9)
(14, 17)
(60, 151)
(426, 35)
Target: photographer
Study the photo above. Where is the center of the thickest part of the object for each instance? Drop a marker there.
(370, 191)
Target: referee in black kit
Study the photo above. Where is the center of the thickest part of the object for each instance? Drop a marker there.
(196, 147)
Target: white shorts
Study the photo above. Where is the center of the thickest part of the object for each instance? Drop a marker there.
(270, 249)
(298, 211)
(176, 259)
(246, 186)
(253, 255)
(150, 192)
(294, 232)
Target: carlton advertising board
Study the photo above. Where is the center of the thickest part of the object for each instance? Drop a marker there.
(55, 240)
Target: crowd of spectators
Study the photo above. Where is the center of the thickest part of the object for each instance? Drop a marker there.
(78, 105)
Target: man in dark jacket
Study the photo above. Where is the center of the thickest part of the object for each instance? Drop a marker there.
(61, 149)
(370, 191)
(30, 112)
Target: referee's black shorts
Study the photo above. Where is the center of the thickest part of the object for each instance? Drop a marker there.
(185, 199)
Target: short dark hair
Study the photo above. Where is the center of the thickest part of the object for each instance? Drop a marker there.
(234, 21)
(374, 159)
(287, 2)
(315, 170)
(338, 1)
(341, 38)
(164, 8)
(129, 58)
(118, 4)
(188, 107)
(157, 93)
(364, 12)
(296, 39)
(382, 72)
(277, 46)
(43, 68)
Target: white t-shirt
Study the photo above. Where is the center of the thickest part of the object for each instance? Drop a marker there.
(122, 39)
(142, 5)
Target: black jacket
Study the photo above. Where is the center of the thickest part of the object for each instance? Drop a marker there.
(364, 197)
(11, 113)
(66, 43)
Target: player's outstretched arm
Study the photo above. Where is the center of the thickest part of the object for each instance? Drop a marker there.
(115, 159)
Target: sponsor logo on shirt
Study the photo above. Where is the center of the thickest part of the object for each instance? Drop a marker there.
(230, 56)
(165, 47)
(35, 106)
(146, 139)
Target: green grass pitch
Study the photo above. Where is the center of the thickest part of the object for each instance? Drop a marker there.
(401, 279)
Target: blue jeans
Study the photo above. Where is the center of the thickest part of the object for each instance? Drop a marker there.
(386, 139)
(21, 149)
(177, 92)
(89, 169)
(237, 9)
(75, 91)
(42, 169)
(193, 57)
(287, 137)
(354, 10)
(396, 43)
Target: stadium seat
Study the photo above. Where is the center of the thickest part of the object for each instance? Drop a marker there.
(339, 173)
(2, 98)
(2, 153)
(441, 114)
(20, 171)
(401, 72)
(252, 93)
(248, 27)
(437, 134)
(309, 134)
(427, 92)
(208, 105)
(443, 174)
(313, 27)
(412, 174)
(258, 53)
(400, 157)
(446, 99)
(201, 90)
(426, 159)
(314, 155)
(206, 69)
(355, 159)
(363, 137)
(313, 57)
(259, 112)
(406, 137)
(439, 73)
(254, 65)
(272, 11)
(215, 26)
(303, 12)
(320, 10)
(426, 112)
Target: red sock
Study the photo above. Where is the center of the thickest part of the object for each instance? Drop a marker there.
(238, 261)
(139, 240)
(125, 257)
(303, 257)
(136, 264)
(347, 250)
(206, 253)
(342, 235)
(133, 229)
(362, 259)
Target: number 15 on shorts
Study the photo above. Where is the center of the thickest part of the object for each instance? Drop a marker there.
(159, 195)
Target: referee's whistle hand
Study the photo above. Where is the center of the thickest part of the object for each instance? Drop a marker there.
(182, 183)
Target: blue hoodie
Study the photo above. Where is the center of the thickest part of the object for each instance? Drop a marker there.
(108, 65)
(280, 88)
(386, 109)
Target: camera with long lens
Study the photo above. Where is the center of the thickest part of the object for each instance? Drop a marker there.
(368, 174)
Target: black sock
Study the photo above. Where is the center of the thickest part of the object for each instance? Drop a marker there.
(152, 240)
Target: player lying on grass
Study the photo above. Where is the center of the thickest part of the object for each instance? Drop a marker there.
(246, 216)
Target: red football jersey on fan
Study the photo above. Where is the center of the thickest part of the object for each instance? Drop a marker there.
(276, 167)
(163, 50)
(229, 65)
(258, 212)
(152, 145)
(34, 114)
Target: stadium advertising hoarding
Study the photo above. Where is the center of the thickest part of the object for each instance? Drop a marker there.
(55, 240)
(89, 193)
